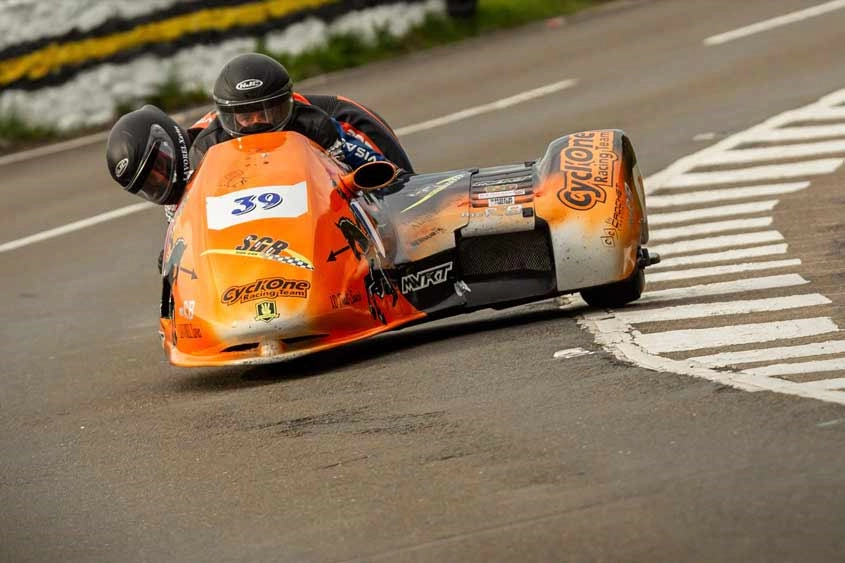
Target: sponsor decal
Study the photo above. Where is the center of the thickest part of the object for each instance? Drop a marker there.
(360, 152)
(120, 167)
(428, 236)
(265, 202)
(248, 84)
(426, 278)
(498, 211)
(187, 309)
(187, 330)
(290, 257)
(588, 163)
(499, 201)
(268, 245)
(427, 192)
(613, 225)
(266, 288)
(344, 299)
(500, 181)
(266, 311)
(502, 193)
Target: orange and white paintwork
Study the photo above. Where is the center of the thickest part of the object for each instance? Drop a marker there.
(274, 252)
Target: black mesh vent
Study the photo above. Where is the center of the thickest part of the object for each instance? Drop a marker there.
(523, 252)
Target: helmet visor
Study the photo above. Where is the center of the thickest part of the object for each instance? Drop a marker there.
(256, 117)
(157, 173)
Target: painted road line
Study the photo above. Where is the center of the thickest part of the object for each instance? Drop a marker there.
(407, 130)
(724, 256)
(824, 114)
(75, 226)
(775, 22)
(708, 228)
(802, 133)
(571, 353)
(724, 194)
(708, 243)
(822, 109)
(828, 384)
(486, 108)
(742, 156)
(634, 315)
(693, 273)
(803, 169)
(732, 335)
(54, 148)
(721, 288)
(100, 137)
(837, 364)
(659, 219)
(770, 354)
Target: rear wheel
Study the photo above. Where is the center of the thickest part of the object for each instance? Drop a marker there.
(618, 293)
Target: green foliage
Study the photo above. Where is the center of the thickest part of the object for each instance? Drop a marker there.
(14, 130)
(339, 52)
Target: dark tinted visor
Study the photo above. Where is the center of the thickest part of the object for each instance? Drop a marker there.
(157, 173)
(256, 117)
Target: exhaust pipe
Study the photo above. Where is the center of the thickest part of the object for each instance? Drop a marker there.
(368, 177)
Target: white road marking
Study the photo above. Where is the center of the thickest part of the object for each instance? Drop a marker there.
(768, 354)
(708, 228)
(75, 226)
(775, 22)
(824, 114)
(731, 335)
(721, 288)
(658, 219)
(724, 241)
(486, 108)
(54, 148)
(757, 173)
(635, 315)
(741, 156)
(803, 133)
(617, 336)
(98, 137)
(736, 254)
(571, 353)
(834, 383)
(799, 368)
(693, 273)
(724, 194)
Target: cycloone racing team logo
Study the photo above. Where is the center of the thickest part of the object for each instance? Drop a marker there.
(588, 163)
(267, 288)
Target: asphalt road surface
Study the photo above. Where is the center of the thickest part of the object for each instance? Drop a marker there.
(470, 440)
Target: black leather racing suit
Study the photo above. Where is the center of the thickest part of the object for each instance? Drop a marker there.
(306, 119)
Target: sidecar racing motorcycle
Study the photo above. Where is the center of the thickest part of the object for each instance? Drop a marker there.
(277, 250)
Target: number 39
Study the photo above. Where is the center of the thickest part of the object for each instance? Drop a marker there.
(268, 200)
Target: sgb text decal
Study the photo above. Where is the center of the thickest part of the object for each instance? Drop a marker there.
(267, 288)
(588, 163)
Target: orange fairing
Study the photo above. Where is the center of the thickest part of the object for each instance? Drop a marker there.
(267, 258)
(594, 205)
(277, 250)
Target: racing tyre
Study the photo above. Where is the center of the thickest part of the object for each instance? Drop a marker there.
(616, 294)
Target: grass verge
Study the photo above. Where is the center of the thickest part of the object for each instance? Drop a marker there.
(339, 52)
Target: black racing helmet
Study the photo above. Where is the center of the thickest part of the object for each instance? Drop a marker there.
(253, 94)
(147, 154)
